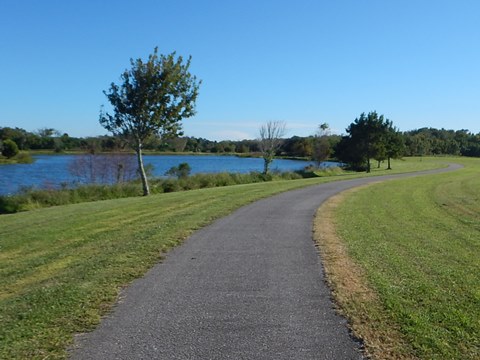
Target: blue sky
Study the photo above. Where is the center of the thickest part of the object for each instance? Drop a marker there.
(302, 62)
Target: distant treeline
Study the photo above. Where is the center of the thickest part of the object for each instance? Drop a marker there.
(421, 142)
(430, 141)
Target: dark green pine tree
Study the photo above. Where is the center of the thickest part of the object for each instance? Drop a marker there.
(365, 140)
(394, 144)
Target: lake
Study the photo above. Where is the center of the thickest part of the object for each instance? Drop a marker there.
(50, 171)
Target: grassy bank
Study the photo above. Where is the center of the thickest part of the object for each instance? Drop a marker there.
(31, 198)
(411, 247)
(22, 157)
(62, 267)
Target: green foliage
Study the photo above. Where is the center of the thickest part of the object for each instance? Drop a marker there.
(181, 171)
(417, 240)
(9, 148)
(330, 171)
(321, 148)
(153, 98)
(18, 135)
(30, 198)
(369, 137)
(24, 158)
(8, 205)
(201, 181)
(421, 142)
(430, 141)
(394, 144)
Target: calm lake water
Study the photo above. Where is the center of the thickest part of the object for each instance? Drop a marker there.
(53, 170)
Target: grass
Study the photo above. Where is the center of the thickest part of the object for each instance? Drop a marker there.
(413, 250)
(61, 268)
(22, 157)
(31, 198)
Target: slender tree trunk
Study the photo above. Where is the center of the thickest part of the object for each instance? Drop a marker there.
(266, 165)
(368, 164)
(141, 169)
(119, 173)
(93, 177)
(389, 167)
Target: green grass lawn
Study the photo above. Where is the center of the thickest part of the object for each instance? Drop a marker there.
(61, 268)
(418, 241)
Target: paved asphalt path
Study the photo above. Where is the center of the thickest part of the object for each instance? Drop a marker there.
(249, 286)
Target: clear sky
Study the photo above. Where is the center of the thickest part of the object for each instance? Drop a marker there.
(304, 62)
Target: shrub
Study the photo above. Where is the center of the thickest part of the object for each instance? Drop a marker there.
(330, 171)
(170, 186)
(30, 198)
(291, 176)
(24, 158)
(10, 148)
(8, 205)
(181, 171)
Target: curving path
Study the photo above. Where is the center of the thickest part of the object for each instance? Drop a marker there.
(249, 286)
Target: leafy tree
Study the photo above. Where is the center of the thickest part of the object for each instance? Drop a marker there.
(270, 141)
(472, 148)
(19, 136)
(176, 144)
(153, 98)
(321, 147)
(303, 147)
(181, 171)
(430, 141)
(228, 146)
(9, 148)
(418, 144)
(380, 153)
(394, 144)
(48, 132)
(346, 151)
(297, 146)
(245, 146)
(365, 140)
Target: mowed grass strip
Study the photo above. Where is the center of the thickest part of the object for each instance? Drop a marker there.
(415, 247)
(62, 268)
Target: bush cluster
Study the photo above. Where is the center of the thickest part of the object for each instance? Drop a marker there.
(200, 181)
(30, 198)
(9, 148)
(21, 158)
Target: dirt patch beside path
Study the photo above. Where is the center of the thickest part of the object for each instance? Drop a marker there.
(354, 298)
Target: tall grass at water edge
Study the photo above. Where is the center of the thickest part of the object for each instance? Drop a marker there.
(32, 198)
